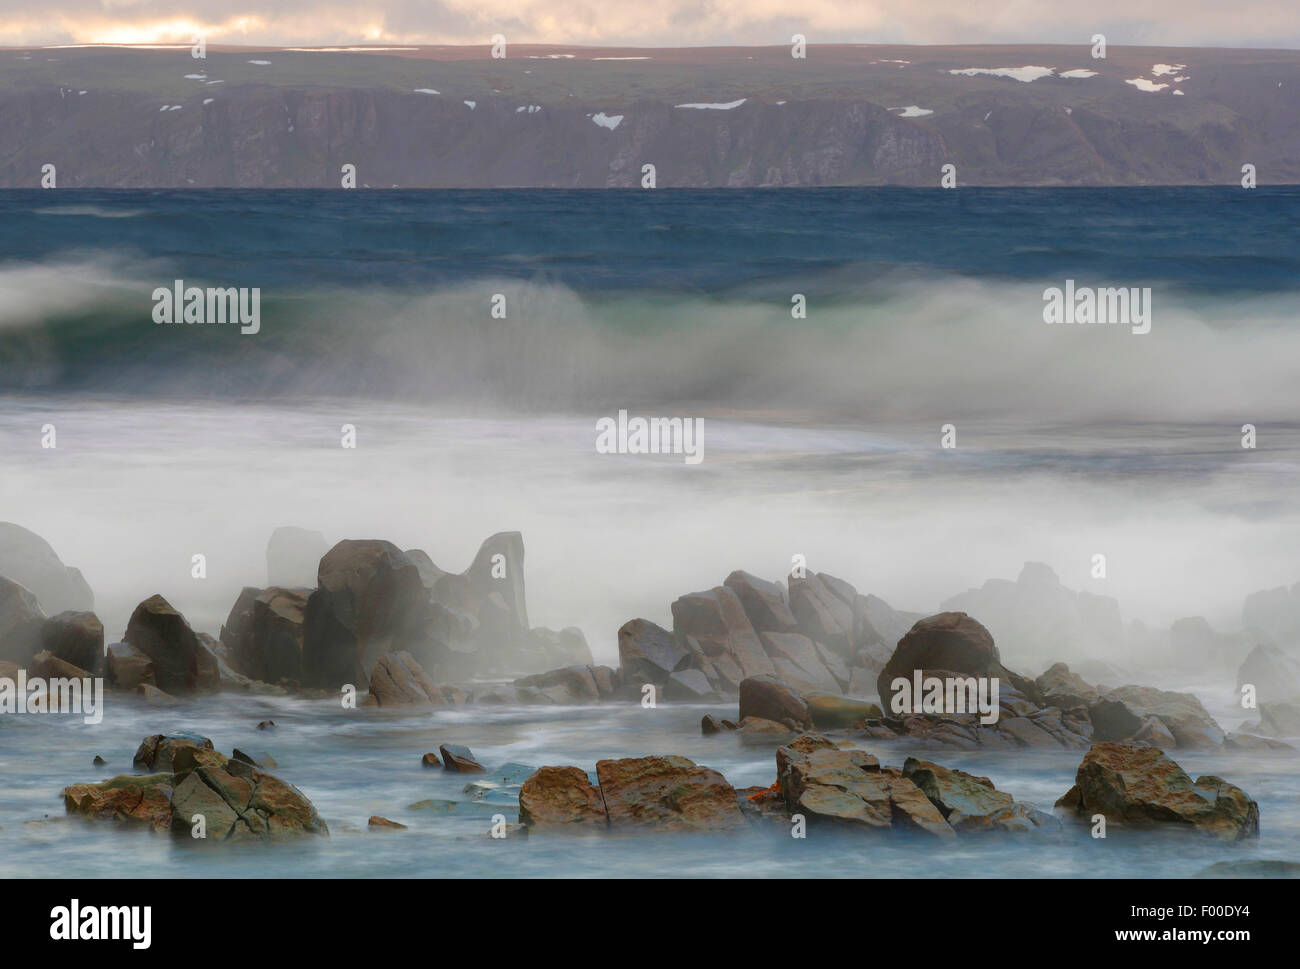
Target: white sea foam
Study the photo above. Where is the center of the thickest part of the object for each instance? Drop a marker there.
(1025, 74)
(610, 121)
(716, 106)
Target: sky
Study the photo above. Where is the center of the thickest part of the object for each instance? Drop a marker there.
(665, 23)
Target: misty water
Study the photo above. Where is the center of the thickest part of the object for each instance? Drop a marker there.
(821, 438)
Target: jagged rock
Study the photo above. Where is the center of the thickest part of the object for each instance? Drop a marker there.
(261, 759)
(127, 668)
(131, 800)
(376, 823)
(1139, 786)
(47, 666)
(577, 683)
(264, 633)
(830, 784)
(1274, 672)
(293, 555)
(1113, 720)
(157, 752)
(764, 603)
(823, 616)
(1060, 688)
(713, 625)
(648, 653)
(1280, 719)
(949, 641)
(21, 623)
(76, 638)
(568, 647)
(561, 797)
(369, 601)
(162, 634)
(607, 680)
(667, 794)
(769, 698)
(1153, 733)
(967, 802)
(1182, 713)
(829, 711)
(456, 757)
(709, 725)
(398, 680)
(689, 685)
(28, 560)
(799, 662)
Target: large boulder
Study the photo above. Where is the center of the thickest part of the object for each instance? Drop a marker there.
(1273, 672)
(714, 628)
(764, 603)
(76, 638)
(1058, 687)
(293, 555)
(950, 641)
(577, 684)
(398, 680)
(667, 794)
(829, 711)
(1182, 713)
(21, 623)
(823, 616)
(180, 663)
(561, 798)
(27, 559)
(800, 663)
(264, 634)
(770, 698)
(369, 601)
(1136, 786)
(829, 784)
(126, 668)
(648, 653)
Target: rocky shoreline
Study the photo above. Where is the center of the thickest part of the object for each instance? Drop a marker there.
(808, 665)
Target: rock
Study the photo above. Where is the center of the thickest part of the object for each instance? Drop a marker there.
(709, 725)
(498, 569)
(1273, 672)
(667, 794)
(689, 685)
(240, 803)
(568, 647)
(21, 623)
(714, 626)
(99, 761)
(1059, 687)
(823, 616)
(891, 624)
(1271, 617)
(1113, 720)
(1139, 786)
(266, 725)
(761, 729)
(648, 653)
(799, 663)
(28, 560)
(76, 638)
(430, 760)
(1184, 715)
(1153, 733)
(950, 641)
(764, 806)
(968, 803)
(261, 759)
(264, 634)
(162, 634)
(771, 699)
(847, 787)
(764, 603)
(133, 800)
(829, 711)
(398, 680)
(157, 753)
(561, 798)
(154, 695)
(369, 601)
(127, 668)
(293, 555)
(1280, 719)
(577, 682)
(1245, 741)
(47, 666)
(376, 823)
(458, 758)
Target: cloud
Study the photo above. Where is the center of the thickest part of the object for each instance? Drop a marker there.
(671, 23)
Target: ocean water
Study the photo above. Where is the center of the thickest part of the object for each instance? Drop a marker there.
(821, 438)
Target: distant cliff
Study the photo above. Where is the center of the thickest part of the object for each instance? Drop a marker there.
(734, 117)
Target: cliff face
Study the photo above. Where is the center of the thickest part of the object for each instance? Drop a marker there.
(853, 126)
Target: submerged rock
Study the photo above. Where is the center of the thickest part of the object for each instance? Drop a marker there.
(1139, 786)
(456, 757)
(376, 823)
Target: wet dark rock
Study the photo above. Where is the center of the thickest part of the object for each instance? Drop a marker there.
(376, 823)
(398, 680)
(667, 793)
(456, 757)
(561, 798)
(76, 638)
(263, 635)
(648, 653)
(950, 641)
(161, 633)
(127, 668)
(431, 760)
(769, 698)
